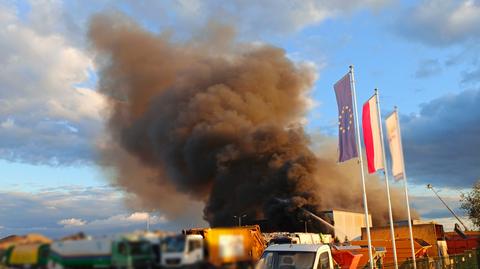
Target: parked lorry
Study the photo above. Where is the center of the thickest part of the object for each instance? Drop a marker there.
(317, 256)
(155, 239)
(404, 252)
(293, 238)
(292, 256)
(32, 255)
(213, 247)
(120, 252)
(430, 233)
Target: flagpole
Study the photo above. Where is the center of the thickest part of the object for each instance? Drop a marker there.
(385, 173)
(360, 158)
(406, 193)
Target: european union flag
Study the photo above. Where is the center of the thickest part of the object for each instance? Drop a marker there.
(346, 127)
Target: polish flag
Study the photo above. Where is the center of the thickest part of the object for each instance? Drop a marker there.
(371, 135)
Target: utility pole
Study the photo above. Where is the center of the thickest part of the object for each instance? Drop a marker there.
(429, 186)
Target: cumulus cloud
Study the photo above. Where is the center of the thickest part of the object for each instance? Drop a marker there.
(49, 116)
(128, 220)
(41, 211)
(47, 207)
(72, 222)
(441, 22)
(57, 212)
(119, 220)
(441, 142)
(251, 18)
(273, 16)
(45, 116)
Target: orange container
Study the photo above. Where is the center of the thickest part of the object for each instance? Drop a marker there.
(346, 259)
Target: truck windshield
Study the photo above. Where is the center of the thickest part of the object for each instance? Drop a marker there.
(140, 248)
(174, 244)
(286, 260)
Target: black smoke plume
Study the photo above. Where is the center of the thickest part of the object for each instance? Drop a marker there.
(215, 120)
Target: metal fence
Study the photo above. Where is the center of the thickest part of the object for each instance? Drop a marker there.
(468, 260)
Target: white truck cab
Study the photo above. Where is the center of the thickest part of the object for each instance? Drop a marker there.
(296, 256)
(182, 250)
(294, 238)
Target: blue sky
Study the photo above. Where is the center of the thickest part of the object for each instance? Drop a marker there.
(422, 55)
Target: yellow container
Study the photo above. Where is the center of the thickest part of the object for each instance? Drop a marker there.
(24, 254)
(232, 245)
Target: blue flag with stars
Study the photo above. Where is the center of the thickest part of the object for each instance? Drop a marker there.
(346, 126)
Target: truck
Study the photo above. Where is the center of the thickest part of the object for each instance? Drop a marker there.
(293, 256)
(33, 255)
(313, 256)
(458, 245)
(426, 233)
(240, 247)
(293, 238)
(120, 252)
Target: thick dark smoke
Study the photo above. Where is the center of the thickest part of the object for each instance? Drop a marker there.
(217, 121)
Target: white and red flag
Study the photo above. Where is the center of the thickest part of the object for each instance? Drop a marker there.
(395, 142)
(371, 135)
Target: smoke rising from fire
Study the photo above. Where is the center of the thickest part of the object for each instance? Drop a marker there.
(217, 121)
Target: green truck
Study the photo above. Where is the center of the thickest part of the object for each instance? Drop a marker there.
(122, 253)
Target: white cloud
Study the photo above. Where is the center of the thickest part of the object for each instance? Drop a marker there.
(72, 222)
(449, 223)
(121, 220)
(128, 220)
(284, 16)
(250, 17)
(46, 15)
(45, 117)
(441, 22)
(56, 212)
(82, 104)
(67, 206)
(8, 123)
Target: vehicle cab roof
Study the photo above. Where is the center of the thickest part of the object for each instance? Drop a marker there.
(296, 247)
